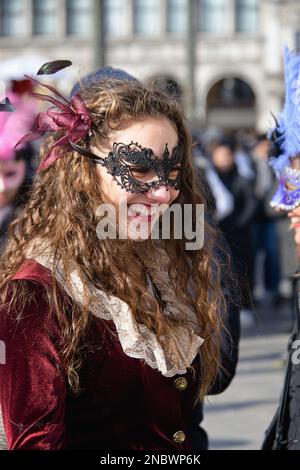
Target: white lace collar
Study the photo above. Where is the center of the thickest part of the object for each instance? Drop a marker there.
(137, 340)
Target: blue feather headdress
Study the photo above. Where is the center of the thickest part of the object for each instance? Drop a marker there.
(286, 139)
(286, 135)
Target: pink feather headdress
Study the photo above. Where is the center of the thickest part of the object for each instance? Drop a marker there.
(13, 125)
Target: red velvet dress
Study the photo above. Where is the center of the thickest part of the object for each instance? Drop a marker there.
(124, 403)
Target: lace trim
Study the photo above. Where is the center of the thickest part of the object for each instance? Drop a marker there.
(137, 340)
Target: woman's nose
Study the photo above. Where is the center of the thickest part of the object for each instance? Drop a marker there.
(161, 194)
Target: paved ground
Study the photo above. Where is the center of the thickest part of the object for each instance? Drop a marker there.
(238, 418)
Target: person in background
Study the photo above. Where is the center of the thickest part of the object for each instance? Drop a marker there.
(284, 431)
(16, 166)
(264, 229)
(243, 160)
(219, 198)
(236, 226)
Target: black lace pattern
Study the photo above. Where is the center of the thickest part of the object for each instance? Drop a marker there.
(124, 160)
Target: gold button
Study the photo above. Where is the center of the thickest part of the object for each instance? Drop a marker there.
(180, 383)
(179, 437)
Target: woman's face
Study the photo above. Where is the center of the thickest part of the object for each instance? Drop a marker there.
(148, 132)
(294, 215)
(12, 175)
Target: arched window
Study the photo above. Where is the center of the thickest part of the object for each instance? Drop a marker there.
(231, 104)
(231, 92)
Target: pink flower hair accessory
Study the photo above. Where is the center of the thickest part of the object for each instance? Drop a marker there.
(71, 117)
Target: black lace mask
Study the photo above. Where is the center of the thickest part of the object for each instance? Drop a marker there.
(132, 165)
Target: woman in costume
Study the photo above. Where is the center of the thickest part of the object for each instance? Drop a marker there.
(284, 431)
(110, 341)
(15, 165)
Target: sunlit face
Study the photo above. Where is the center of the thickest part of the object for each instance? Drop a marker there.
(149, 132)
(294, 214)
(12, 175)
(223, 158)
(287, 196)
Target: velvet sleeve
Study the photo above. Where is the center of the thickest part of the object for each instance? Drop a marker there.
(32, 382)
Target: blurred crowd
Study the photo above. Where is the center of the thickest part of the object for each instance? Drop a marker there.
(240, 184)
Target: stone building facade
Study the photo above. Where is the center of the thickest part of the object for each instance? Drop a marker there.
(238, 46)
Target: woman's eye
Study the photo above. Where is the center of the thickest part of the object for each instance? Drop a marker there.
(9, 175)
(139, 170)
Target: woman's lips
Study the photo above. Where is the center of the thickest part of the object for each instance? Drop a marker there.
(148, 218)
(143, 212)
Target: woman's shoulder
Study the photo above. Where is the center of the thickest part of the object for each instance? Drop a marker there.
(32, 375)
(25, 306)
(32, 270)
